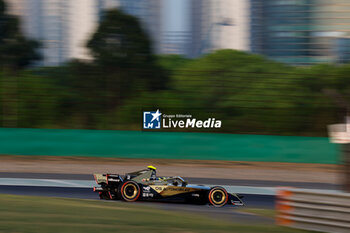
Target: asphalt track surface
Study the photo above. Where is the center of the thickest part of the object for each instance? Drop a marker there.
(229, 213)
(257, 183)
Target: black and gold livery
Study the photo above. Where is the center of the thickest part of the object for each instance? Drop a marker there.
(145, 185)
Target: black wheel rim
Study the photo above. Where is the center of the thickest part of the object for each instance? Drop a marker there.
(130, 190)
(218, 196)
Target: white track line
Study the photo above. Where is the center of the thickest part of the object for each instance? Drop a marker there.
(47, 182)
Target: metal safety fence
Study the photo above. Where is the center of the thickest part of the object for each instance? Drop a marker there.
(320, 211)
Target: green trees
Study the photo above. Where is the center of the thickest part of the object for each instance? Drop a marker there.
(246, 90)
(16, 51)
(250, 94)
(123, 67)
(120, 42)
(123, 50)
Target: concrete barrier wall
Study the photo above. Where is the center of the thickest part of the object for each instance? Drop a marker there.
(136, 144)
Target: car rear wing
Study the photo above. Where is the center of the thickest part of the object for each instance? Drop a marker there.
(107, 178)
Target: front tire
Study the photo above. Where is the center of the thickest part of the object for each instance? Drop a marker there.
(130, 191)
(218, 196)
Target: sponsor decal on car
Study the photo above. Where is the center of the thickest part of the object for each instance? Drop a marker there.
(148, 195)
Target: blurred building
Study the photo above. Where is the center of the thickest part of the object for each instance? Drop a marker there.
(331, 30)
(64, 26)
(299, 32)
(200, 21)
(219, 24)
(343, 50)
(176, 42)
(281, 30)
(212, 25)
(106, 4)
(232, 21)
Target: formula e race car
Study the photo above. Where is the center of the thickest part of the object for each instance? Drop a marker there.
(144, 185)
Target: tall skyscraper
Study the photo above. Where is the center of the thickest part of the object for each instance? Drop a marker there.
(299, 32)
(219, 24)
(331, 30)
(233, 19)
(200, 27)
(176, 42)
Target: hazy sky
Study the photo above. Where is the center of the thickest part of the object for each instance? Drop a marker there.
(175, 16)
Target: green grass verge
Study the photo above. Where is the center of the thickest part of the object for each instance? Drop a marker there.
(45, 214)
(262, 212)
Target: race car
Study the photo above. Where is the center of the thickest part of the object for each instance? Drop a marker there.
(145, 185)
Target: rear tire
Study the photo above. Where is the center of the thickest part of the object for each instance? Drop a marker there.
(130, 191)
(104, 196)
(218, 196)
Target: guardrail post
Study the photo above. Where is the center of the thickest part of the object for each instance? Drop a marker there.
(283, 207)
(346, 167)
